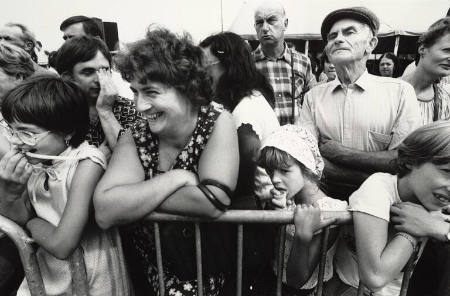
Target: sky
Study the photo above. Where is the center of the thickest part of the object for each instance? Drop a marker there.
(203, 17)
(198, 17)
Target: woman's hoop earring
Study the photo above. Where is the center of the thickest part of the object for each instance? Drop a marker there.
(67, 142)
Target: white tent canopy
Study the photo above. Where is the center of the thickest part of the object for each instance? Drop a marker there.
(397, 17)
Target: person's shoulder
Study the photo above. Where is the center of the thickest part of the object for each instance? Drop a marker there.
(398, 82)
(380, 178)
(327, 203)
(318, 91)
(88, 151)
(299, 56)
(254, 105)
(257, 54)
(378, 184)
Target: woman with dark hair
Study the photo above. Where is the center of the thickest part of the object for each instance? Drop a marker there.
(328, 70)
(433, 65)
(388, 65)
(182, 159)
(245, 92)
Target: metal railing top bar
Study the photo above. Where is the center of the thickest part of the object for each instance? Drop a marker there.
(249, 216)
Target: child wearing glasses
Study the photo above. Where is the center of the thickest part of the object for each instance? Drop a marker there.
(46, 120)
(292, 159)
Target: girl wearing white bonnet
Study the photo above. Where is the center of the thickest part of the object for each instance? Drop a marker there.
(292, 159)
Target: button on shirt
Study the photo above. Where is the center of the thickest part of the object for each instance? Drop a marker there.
(279, 73)
(372, 114)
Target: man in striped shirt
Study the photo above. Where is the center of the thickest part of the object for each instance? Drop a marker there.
(278, 62)
(359, 119)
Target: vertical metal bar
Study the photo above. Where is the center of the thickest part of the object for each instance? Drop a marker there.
(27, 255)
(240, 241)
(221, 16)
(323, 258)
(360, 289)
(198, 253)
(78, 271)
(306, 47)
(408, 272)
(397, 43)
(159, 263)
(280, 259)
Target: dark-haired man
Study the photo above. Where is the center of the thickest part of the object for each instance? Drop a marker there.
(80, 25)
(87, 61)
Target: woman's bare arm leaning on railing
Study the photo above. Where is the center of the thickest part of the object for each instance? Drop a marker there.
(123, 195)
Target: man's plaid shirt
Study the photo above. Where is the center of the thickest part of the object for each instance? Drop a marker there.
(279, 74)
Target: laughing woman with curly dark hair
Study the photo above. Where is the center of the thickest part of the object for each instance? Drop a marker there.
(183, 159)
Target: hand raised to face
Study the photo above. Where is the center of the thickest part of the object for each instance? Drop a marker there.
(14, 173)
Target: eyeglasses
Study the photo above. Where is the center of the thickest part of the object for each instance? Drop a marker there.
(26, 137)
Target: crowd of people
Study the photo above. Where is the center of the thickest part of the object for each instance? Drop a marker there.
(219, 126)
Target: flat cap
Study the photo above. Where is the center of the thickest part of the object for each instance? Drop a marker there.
(360, 14)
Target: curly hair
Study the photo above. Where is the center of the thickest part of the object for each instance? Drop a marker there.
(429, 143)
(240, 77)
(15, 61)
(171, 59)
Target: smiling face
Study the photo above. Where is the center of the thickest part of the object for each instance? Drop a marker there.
(32, 138)
(386, 67)
(349, 41)
(165, 109)
(436, 58)
(430, 184)
(270, 24)
(85, 75)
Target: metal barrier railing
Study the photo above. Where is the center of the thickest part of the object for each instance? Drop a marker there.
(32, 272)
(239, 217)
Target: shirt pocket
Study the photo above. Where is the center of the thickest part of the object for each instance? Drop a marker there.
(379, 141)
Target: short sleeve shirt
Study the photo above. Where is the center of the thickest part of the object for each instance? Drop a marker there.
(375, 197)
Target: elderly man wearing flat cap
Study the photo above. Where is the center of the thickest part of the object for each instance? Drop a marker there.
(358, 118)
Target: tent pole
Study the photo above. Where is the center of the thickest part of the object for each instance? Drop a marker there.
(397, 42)
(306, 47)
(221, 15)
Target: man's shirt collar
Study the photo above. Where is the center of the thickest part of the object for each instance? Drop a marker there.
(259, 54)
(363, 82)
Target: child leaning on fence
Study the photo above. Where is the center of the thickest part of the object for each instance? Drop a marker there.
(46, 120)
(384, 238)
(292, 159)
